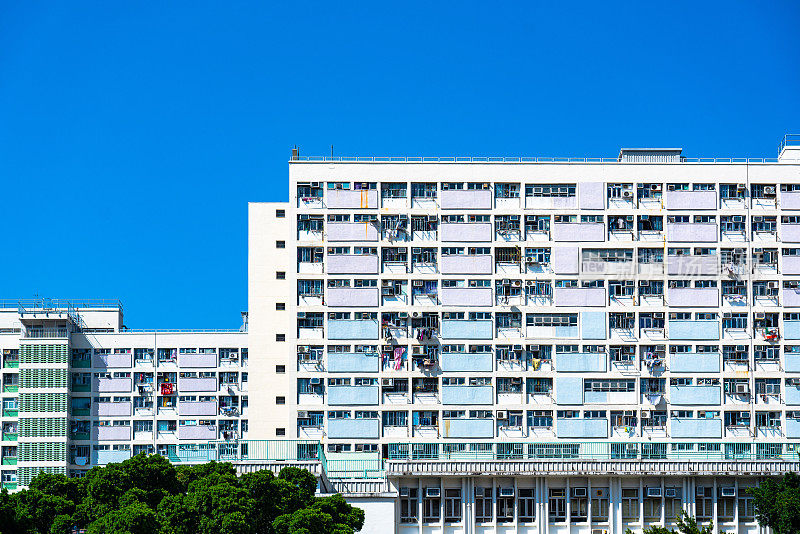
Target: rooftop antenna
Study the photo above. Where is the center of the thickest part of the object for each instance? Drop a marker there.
(331, 151)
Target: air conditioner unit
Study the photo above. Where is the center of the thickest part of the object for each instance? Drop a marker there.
(302, 414)
(404, 492)
(529, 259)
(502, 415)
(772, 285)
(741, 348)
(728, 492)
(316, 184)
(670, 187)
(517, 283)
(727, 315)
(742, 388)
(741, 187)
(516, 380)
(431, 217)
(627, 194)
(672, 492)
(517, 347)
(403, 315)
(769, 190)
(506, 281)
(365, 315)
(513, 217)
(533, 347)
(315, 381)
(738, 218)
(302, 349)
(757, 218)
(645, 414)
(432, 492)
(644, 283)
(417, 283)
(658, 315)
(579, 492)
(416, 250)
(530, 282)
(655, 187)
(760, 315)
(506, 492)
(653, 492)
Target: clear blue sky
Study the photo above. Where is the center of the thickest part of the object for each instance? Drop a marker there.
(133, 134)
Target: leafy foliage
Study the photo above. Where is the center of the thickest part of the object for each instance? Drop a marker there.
(148, 495)
(686, 525)
(777, 503)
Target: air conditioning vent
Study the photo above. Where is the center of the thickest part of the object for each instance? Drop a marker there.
(315, 381)
(302, 414)
(653, 492)
(502, 415)
(579, 492)
(432, 492)
(728, 492)
(506, 492)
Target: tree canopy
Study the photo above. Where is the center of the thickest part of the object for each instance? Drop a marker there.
(148, 495)
(686, 525)
(777, 503)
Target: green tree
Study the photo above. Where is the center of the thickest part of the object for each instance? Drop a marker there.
(135, 518)
(686, 525)
(777, 503)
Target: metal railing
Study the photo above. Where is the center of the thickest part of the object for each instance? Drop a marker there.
(514, 159)
(595, 451)
(789, 140)
(59, 304)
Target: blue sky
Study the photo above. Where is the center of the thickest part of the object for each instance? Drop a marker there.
(132, 135)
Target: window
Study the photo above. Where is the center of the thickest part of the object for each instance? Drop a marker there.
(280, 214)
(630, 504)
(280, 400)
(280, 431)
(408, 505)
(431, 509)
(483, 505)
(280, 369)
(557, 505)
(280, 337)
(280, 275)
(452, 505)
(505, 505)
(280, 244)
(280, 306)
(526, 505)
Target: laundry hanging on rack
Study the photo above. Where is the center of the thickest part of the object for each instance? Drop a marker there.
(398, 358)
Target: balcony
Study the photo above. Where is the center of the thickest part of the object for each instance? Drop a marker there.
(197, 432)
(368, 297)
(347, 199)
(694, 330)
(466, 296)
(791, 297)
(793, 428)
(191, 385)
(791, 329)
(453, 199)
(581, 428)
(197, 360)
(466, 264)
(460, 361)
(689, 232)
(579, 232)
(790, 264)
(112, 433)
(462, 395)
(353, 428)
(466, 232)
(695, 428)
(702, 362)
(352, 231)
(579, 296)
(790, 200)
(466, 329)
(353, 329)
(577, 362)
(467, 428)
(206, 408)
(353, 395)
(105, 361)
(790, 233)
(692, 265)
(352, 264)
(690, 200)
(693, 297)
(112, 385)
(108, 457)
(694, 395)
(353, 362)
(112, 409)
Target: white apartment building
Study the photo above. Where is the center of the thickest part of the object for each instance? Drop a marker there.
(79, 389)
(463, 346)
(536, 345)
